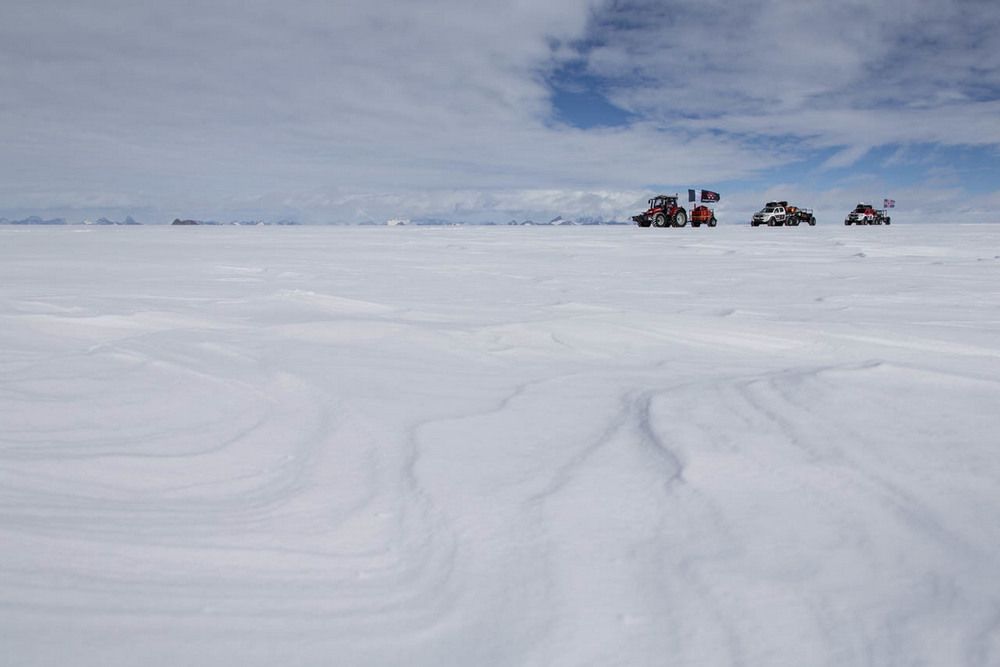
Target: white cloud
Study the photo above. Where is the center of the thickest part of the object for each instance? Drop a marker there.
(851, 74)
(331, 111)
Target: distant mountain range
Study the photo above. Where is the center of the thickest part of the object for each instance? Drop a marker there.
(585, 220)
(35, 220)
(419, 222)
(556, 221)
(242, 223)
(129, 220)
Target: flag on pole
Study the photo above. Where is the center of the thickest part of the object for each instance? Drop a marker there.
(888, 203)
(708, 195)
(691, 195)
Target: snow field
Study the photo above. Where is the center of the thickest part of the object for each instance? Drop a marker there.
(496, 446)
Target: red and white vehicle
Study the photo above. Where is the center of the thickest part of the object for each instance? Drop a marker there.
(703, 215)
(663, 211)
(866, 214)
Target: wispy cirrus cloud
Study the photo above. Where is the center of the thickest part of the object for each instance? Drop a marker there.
(851, 73)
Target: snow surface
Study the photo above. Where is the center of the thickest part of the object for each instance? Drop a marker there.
(500, 446)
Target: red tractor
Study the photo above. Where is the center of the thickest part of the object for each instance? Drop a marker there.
(663, 211)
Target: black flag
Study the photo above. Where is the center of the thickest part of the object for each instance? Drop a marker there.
(708, 195)
(691, 195)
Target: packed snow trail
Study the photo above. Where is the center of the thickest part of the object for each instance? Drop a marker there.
(495, 446)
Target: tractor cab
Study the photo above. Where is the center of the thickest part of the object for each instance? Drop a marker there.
(661, 203)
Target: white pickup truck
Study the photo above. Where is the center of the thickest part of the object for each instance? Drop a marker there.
(774, 214)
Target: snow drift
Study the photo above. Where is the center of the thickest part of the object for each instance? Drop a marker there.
(493, 446)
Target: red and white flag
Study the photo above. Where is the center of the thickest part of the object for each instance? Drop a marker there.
(888, 203)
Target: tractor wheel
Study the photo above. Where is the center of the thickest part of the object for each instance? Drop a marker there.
(712, 222)
(660, 220)
(644, 223)
(680, 219)
(695, 224)
(812, 221)
(887, 221)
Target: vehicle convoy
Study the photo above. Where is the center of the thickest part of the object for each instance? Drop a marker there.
(780, 213)
(866, 214)
(663, 211)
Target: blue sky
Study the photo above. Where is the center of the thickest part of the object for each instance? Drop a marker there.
(345, 112)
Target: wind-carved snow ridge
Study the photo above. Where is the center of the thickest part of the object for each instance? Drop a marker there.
(493, 446)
